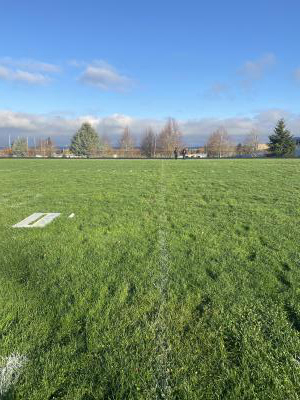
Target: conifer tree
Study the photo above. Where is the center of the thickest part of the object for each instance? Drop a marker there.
(20, 147)
(86, 141)
(281, 141)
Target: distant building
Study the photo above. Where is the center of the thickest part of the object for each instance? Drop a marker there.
(262, 147)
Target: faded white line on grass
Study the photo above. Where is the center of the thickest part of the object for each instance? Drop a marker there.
(163, 388)
(10, 369)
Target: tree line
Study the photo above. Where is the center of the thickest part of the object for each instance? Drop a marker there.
(281, 143)
(87, 143)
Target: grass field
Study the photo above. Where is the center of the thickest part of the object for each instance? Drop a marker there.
(175, 280)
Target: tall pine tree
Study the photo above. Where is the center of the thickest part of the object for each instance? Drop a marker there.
(281, 142)
(86, 141)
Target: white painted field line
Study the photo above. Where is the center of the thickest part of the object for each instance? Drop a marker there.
(71, 215)
(25, 223)
(163, 388)
(45, 220)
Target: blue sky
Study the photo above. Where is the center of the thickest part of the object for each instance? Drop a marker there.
(208, 64)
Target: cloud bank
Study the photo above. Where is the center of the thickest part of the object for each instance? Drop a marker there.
(195, 131)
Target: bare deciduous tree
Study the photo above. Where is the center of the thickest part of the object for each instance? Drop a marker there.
(219, 144)
(126, 142)
(148, 143)
(106, 145)
(49, 147)
(251, 143)
(169, 138)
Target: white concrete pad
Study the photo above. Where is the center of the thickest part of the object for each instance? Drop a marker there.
(45, 220)
(27, 221)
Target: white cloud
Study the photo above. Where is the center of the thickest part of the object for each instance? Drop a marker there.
(26, 71)
(39, 124)
(194, 130)
(104, 77)
(13, 120)
(252, 71)
(255, 70)
(77, 63)
(219, 90)
(4, 73)
(263, 121)
(30, 64)
(23, 76)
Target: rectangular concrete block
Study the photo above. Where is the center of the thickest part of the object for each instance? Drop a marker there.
(45, 220)
(27, 221)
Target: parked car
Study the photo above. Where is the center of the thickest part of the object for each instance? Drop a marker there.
(197, 155)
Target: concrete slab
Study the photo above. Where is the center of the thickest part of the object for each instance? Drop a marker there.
(27, 221)
(45, 220)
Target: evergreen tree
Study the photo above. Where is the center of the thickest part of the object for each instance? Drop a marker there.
(19, 147)
(281, 142)
(86, 141)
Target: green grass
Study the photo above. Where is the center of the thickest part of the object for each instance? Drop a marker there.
(175, 280)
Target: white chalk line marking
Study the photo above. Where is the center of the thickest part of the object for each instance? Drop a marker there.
(163, 388)
(71, 215)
